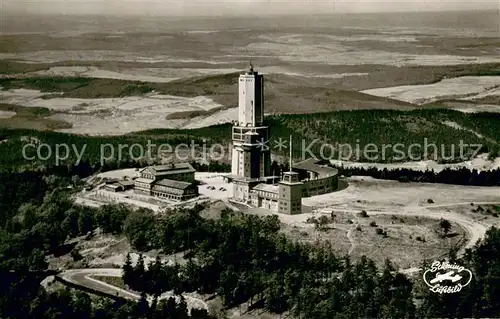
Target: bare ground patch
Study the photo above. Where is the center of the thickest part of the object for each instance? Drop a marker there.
(405, 241)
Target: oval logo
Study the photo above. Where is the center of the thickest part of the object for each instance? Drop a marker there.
(446, 278)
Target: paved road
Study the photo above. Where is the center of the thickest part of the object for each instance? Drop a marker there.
(83, 277)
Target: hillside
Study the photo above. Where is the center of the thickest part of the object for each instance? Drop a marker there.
(283, 93)
(382, 128)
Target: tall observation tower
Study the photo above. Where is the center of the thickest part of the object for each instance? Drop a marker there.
(251, 158)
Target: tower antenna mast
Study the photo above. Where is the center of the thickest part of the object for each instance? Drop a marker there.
(290, 153)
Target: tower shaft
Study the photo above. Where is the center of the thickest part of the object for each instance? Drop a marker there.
(251, 157)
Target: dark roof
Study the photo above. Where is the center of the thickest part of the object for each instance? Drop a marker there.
(126, 183)
(168, 169)
(174, 184)
(312, 165)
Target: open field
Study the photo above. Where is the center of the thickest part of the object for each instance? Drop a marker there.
(467, 87)
(431, 38)
(480, 163)
(407, 238)
(403, 211)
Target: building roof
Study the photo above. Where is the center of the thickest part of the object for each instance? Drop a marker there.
(267, 188)
(174, 184)
(312, 165)
(144, 180)
(126, 183)
(113, 185)
(249, 179)
(168, 169)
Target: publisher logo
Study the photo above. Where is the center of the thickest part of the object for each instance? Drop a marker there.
(446, 278)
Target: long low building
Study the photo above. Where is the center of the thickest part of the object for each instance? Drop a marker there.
(318, 178)
(172, 181)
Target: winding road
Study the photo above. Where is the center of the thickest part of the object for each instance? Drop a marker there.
(84, 277)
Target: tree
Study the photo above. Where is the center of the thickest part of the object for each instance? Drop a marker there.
(138, 228)
(445, 226)
(128, 271)
(139, 274)
(322, 221)
(143, 306)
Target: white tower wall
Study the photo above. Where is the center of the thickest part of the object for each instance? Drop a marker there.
(246, 107)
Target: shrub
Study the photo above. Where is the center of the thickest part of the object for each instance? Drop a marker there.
(379, 231)
(363, 214)
(75, 254)
(430, 201)
(311, 220)
(358, 228)
(404, 179)
(323, 220)
(373, 224)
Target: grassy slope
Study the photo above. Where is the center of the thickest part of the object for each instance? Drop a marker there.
(393, 76)
(30, 118)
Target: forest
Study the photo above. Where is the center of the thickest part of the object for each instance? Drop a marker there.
(242, 258)
(310, 132)
(462, 176)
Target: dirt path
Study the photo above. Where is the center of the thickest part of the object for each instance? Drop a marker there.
(475, 230)
(459, 127)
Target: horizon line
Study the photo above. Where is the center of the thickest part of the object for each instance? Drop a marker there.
(240, 15)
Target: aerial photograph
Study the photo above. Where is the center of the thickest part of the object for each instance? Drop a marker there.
(244, 159)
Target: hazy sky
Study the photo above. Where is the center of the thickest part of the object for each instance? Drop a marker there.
(226, 7)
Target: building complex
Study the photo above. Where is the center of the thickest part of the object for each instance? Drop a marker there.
(253, 183)
(251, 159)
